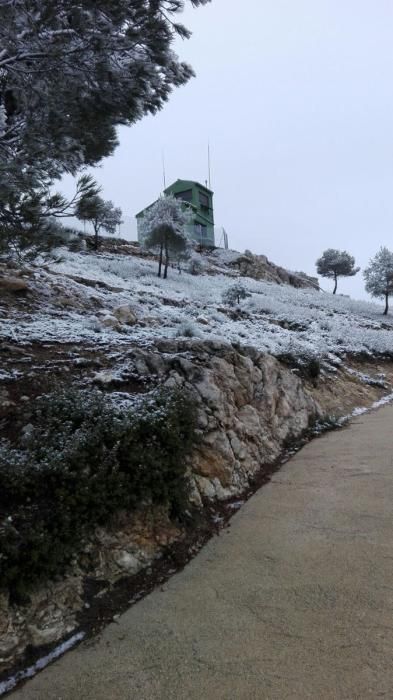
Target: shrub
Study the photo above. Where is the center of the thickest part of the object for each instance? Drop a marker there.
(313, 368)
(82, 462)
(306, 366)
(195, 266)
(234, 294)
(187, 329)
(326, 423)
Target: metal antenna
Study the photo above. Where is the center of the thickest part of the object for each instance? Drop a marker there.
(163, 169)
(208, 164)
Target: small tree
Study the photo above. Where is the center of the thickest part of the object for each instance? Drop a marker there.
(30, 222)
(235, 293)
(162, 228)
(195, 265)
(102, 215)
(379, 276)
(336, 263)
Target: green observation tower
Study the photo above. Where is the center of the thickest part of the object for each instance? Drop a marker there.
(199, 200)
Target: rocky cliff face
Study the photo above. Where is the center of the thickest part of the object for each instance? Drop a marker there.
(249, 406)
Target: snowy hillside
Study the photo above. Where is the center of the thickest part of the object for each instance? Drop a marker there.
(71, 298)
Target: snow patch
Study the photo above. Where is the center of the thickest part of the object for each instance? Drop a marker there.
(30, 671)
(360, 410)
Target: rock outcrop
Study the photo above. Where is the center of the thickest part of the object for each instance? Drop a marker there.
(249, 407)
(15, 285)
(260, 268)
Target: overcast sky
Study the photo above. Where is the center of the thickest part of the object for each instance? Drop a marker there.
(296, 99)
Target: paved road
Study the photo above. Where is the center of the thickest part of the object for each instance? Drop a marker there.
(293, 601)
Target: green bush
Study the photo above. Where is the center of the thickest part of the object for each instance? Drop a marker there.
(326, 423)
(80, 462)
(308, 367)
(313, 368)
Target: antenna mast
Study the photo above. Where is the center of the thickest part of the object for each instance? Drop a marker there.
(208, 164)
(163, 169)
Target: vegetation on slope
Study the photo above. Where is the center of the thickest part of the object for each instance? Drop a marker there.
(77, 463)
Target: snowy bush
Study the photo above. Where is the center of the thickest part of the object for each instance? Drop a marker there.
(234, 294)
(195, 266)
(81, 461)
(187, 329)
(327, 423)
(93, 324)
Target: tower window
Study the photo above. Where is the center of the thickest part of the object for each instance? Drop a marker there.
(201, 231)
(204, 200)
(186, 196)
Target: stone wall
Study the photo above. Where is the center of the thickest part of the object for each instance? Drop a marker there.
(249, 407)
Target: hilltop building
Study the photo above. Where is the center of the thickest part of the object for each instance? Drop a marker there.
(199, 199)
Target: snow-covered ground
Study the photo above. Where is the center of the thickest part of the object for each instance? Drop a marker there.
(275, 318)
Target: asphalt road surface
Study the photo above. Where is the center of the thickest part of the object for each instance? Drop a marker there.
(293, 601)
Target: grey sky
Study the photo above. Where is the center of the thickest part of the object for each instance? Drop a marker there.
(297, 101)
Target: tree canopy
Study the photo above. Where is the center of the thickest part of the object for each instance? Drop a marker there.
(163, 228)
(379, 276)
(29, 220)
(336, 263)
(103, 215)
(70, 73)
(234, 294)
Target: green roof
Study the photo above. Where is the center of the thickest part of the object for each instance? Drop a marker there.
(189, 183)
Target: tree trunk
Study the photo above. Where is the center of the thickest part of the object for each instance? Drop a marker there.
(385, 313)
(95, 237)
(160, 260)
(335, 283)
(166, 262)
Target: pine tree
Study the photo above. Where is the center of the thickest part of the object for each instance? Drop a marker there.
(379, 276)
(29, 223)
(336, 263)
(70, 73)
(103, 215)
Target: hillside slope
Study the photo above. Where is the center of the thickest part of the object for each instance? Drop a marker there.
(72, 297)
(282, 365)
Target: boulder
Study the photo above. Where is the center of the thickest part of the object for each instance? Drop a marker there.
(127, 562)
(8, 645)
(105, 378)
(125, 314)
(109, 321)
(13, 284)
